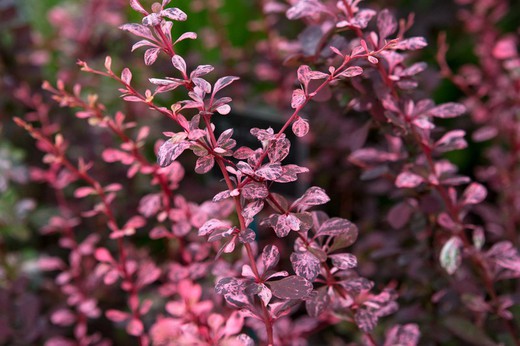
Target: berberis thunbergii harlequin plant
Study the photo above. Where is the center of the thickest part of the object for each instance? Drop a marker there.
(250, 265)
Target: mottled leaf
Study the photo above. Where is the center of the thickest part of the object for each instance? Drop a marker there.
(292, 287)
(450, 256)
(306, 265)
(447, 110)
(474, 194)
(270, 256)
(344, 260)
(300, 127)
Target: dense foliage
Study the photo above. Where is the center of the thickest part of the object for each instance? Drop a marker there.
(259, 173)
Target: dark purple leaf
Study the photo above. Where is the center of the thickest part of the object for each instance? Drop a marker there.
(292, 287)
(399, 215)
(270, 257)
(305, 265)
(406, 335)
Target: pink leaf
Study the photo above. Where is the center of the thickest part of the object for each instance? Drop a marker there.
(103, 255)
(304, 72)
(292, 287)
(337, 226)
(474, 194)
(408, 180)
(169, 151)
(366, 319)
(313, 196)
(201, 70)
(138, 30)
(135, 327)
(255, 190)
(278, 150)
(304, 8)
(63, 317)
(270, 257)
(204, 164)
(447, 110)
(185, 36)
(174, 14)
(137, 7)
(179, 63)
(305, 264)
(412, 43)
(151, 55)
(344, 260)
(298, 98)
(300, 127)
(126, 75)
(452, 140)
(386, 24)
(117, 316)
(213, 225)
(505, 48)
(269, 171)
(82, 192)
(352, 71)
(223, 82)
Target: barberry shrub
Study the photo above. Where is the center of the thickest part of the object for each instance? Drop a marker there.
(245, 264)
